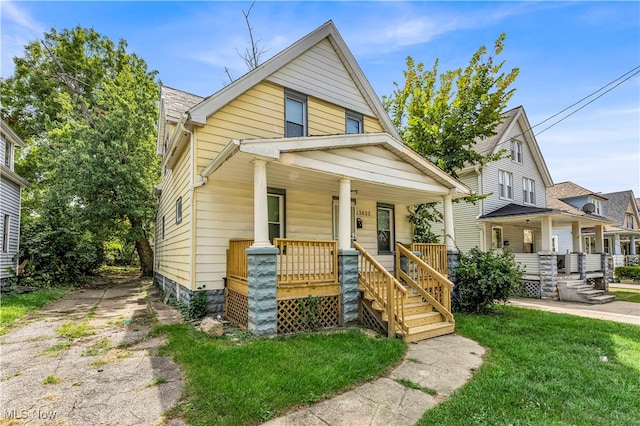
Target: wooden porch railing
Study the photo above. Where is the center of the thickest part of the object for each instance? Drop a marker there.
(429, 283)
(433, 254)
(307, 261)
(237, 263)
(593, 262)
(385, 289)
(530, 262)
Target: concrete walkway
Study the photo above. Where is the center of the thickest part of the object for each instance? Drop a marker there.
(443, 364)
(110, 375)
(627, 312)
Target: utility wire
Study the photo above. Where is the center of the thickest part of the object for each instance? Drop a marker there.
(583, 106)
(587, 97)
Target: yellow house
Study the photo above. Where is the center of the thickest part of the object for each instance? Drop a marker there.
(287, 191)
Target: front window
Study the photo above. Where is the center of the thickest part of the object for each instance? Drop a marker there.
(354, 123)
(529, 191)
(5, 233)
(496, 237)
(516, 151)
(505, 184)
(295, 110)
(385, 219)
(275, 205)
(528, 241)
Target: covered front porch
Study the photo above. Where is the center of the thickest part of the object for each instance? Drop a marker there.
(321, 205)
(532, 235)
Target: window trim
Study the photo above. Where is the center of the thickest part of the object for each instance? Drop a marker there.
(335, 202)
(528, 190)
(517, 151)
(500, 243)
(6, 230)
(598, 207)
(298, 97)
(179, 210)
(355, 116)
(8, 154)
(282, 197)
(629, 220)
(392, 231)
(502, 187)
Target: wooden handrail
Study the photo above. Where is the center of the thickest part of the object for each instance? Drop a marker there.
(434, 255)
(385, 289)
(422, 277)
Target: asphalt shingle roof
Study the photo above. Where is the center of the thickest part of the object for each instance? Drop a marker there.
(176, 102)
(515, 210)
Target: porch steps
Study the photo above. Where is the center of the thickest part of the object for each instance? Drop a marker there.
(420, 317)
(577, 291)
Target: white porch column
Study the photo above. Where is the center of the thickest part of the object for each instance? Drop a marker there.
(260, 205)
(599, 231)
(576, 237)
(449, 235)
(547, 233)
(632, 245)
(617, 245)
(344, 215)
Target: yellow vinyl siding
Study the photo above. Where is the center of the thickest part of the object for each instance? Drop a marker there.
(372, 125)
(258, 113)
(173, 252)
(325, 118)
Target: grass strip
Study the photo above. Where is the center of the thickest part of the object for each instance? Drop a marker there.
(544, 368)
(15, 306)
(626, 294)
(258, 379)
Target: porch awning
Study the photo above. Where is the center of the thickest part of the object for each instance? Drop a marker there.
(379, 167)
(516, 213)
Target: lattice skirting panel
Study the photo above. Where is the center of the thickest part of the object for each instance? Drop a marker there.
(368, 320)
(237, 308)
(303, 314)
(531, 289)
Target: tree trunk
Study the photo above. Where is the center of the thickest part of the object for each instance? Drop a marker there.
(145, 252)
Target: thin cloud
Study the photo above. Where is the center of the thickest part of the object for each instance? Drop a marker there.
(19, 28)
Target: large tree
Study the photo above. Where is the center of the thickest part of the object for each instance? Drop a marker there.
(442, 116)
(87, 110)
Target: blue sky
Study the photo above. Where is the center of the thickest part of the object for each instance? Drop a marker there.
(565, 51)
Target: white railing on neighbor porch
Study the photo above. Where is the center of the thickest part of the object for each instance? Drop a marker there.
(593, 262)
(529, 261)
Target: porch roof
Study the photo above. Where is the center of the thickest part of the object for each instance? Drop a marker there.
(515, 213)
(379, 166)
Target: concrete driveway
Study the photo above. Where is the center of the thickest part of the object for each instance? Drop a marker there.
(106, 372)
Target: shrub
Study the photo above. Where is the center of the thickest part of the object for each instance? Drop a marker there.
(627, 273)
(484, 278)
(197, 306)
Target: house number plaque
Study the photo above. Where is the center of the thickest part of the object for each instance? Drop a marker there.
(364, 213)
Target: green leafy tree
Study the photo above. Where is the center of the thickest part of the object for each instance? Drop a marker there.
(442, 116)
(87, 110)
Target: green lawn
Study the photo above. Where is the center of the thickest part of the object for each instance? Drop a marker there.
(546, 369)
(626, 294)
(15, 306)
(247, 380)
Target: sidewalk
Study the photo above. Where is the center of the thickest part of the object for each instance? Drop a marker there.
(627, 312)
(443, 364)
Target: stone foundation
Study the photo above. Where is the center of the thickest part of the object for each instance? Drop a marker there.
(215, 298)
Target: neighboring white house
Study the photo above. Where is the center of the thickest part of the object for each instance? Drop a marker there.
(10, 190)
(621, 236)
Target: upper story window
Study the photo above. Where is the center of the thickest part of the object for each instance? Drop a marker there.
(295, 112)
(505, 185)
(528, 191)
(516, 151)
(8, 154)
(629, 221)
(598, 207)
(354, 123)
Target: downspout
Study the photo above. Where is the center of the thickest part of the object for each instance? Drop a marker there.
(482, 227)
(192, 171)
